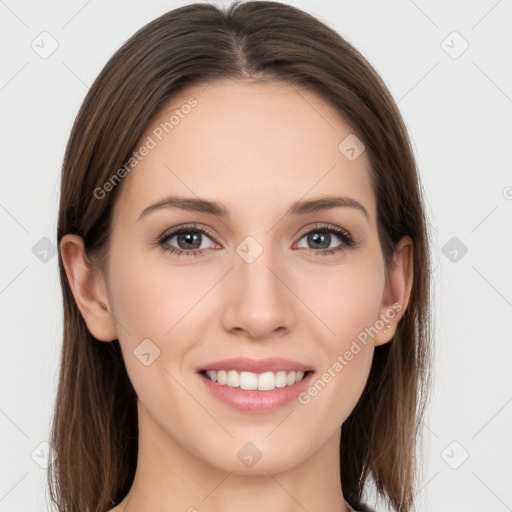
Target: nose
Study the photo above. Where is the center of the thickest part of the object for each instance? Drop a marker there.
(258, 299)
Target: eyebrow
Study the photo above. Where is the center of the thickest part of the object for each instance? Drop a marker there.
(219, 210)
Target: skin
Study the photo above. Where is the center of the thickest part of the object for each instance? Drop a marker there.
(257, 148)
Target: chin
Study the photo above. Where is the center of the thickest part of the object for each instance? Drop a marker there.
(257, 458)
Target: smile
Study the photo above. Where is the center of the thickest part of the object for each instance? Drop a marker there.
(250, 381)
(256, 385)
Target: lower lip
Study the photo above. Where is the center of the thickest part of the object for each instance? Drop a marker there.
(255, 400)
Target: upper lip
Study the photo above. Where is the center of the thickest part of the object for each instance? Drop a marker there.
(244, 364)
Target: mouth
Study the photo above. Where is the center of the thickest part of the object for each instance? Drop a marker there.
(250, 381)
(253, 386)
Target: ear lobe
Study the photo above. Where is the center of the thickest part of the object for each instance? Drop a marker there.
(398, 290)
(88, 287)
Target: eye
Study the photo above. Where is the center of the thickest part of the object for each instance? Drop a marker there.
(188, 239)
(321, 237)
(191, 240)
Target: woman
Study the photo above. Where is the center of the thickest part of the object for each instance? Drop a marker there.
(245, 270)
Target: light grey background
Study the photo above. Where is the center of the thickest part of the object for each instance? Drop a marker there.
(458, 109)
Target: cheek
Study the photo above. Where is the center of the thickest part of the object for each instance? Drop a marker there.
(152, 301)
(163, 305)
(153, 306)
(348, 304)
(346, 299)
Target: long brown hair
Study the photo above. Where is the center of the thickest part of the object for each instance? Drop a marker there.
(94, 430)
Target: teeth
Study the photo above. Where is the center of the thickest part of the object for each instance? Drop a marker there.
(248, 380)
(233, 379)
(251, 381)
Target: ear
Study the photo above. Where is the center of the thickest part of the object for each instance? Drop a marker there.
(88, 287)
(396, 295)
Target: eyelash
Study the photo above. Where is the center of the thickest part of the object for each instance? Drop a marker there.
(347, 240)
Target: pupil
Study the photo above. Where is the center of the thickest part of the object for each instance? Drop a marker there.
(315, 238)
(187, 239)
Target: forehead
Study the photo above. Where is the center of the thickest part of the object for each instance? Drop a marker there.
(255, 146)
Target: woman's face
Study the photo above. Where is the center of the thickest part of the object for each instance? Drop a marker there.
(256, 284)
